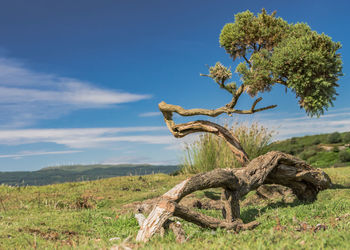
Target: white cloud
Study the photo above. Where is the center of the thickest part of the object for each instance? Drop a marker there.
(35, 153)
(27, 96)
(84, 137)
(150, 114)
(300, 126)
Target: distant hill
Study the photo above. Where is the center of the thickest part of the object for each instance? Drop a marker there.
(60, 174)
(324, 150)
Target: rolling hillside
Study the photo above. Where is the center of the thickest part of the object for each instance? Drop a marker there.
(324, 150)
(75, 173)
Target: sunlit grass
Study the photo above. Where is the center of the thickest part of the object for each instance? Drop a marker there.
(54, 216)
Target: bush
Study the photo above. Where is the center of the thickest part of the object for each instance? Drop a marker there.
(324, 159)
(344, 156)
(209, 151)
(346, 137)
(334, 138)
(335, 149)
(307, 154)
(316, 141)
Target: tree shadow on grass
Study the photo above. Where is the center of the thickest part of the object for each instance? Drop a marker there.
(212, 195)
(252, 213)
(340, 186)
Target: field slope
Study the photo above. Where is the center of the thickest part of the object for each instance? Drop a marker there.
(87, 215)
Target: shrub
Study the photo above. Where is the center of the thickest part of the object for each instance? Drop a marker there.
(335, 149)
(334, 138)
(293, 140)
(344, 156)
(316, 141)
(209, 151)
(307, 154)
(346, 137)
(324, 159)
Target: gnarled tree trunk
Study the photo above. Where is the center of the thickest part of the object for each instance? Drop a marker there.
(271, 168)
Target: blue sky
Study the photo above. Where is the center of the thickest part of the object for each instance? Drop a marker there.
(80, 80)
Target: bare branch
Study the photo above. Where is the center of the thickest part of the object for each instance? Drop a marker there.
(265, 108)
(280, 81)
(255, 103)
(164, 107)
(181, 130)
(236, 96)
(184, 129)
(204, 75)
(169, 108)
(249, 63)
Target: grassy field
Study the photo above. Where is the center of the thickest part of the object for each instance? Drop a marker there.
(86, 215)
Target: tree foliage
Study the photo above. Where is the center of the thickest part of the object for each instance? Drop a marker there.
(273, 51)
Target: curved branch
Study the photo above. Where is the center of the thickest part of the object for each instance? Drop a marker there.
(236, 96)
(255, 103)
(181, 130)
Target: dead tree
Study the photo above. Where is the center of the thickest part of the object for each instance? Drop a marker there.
(267, 45)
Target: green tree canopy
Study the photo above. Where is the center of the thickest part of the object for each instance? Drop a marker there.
(273, 51)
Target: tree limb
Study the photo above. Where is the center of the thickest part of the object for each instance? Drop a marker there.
(245, 58)
(181, 130)
(164, 107)
(236, 96)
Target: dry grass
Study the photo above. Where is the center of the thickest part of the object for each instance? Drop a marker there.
(210, 152)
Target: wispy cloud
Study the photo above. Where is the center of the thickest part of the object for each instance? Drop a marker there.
(36, 153)
(27, 96)
(150, 114)
(84, 137)
(338, 120)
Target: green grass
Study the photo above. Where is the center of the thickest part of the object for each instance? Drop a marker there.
(86, 215)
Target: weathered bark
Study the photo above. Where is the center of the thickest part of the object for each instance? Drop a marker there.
(231, 209)
(168, 224)
(271, 168)
(180, 235)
